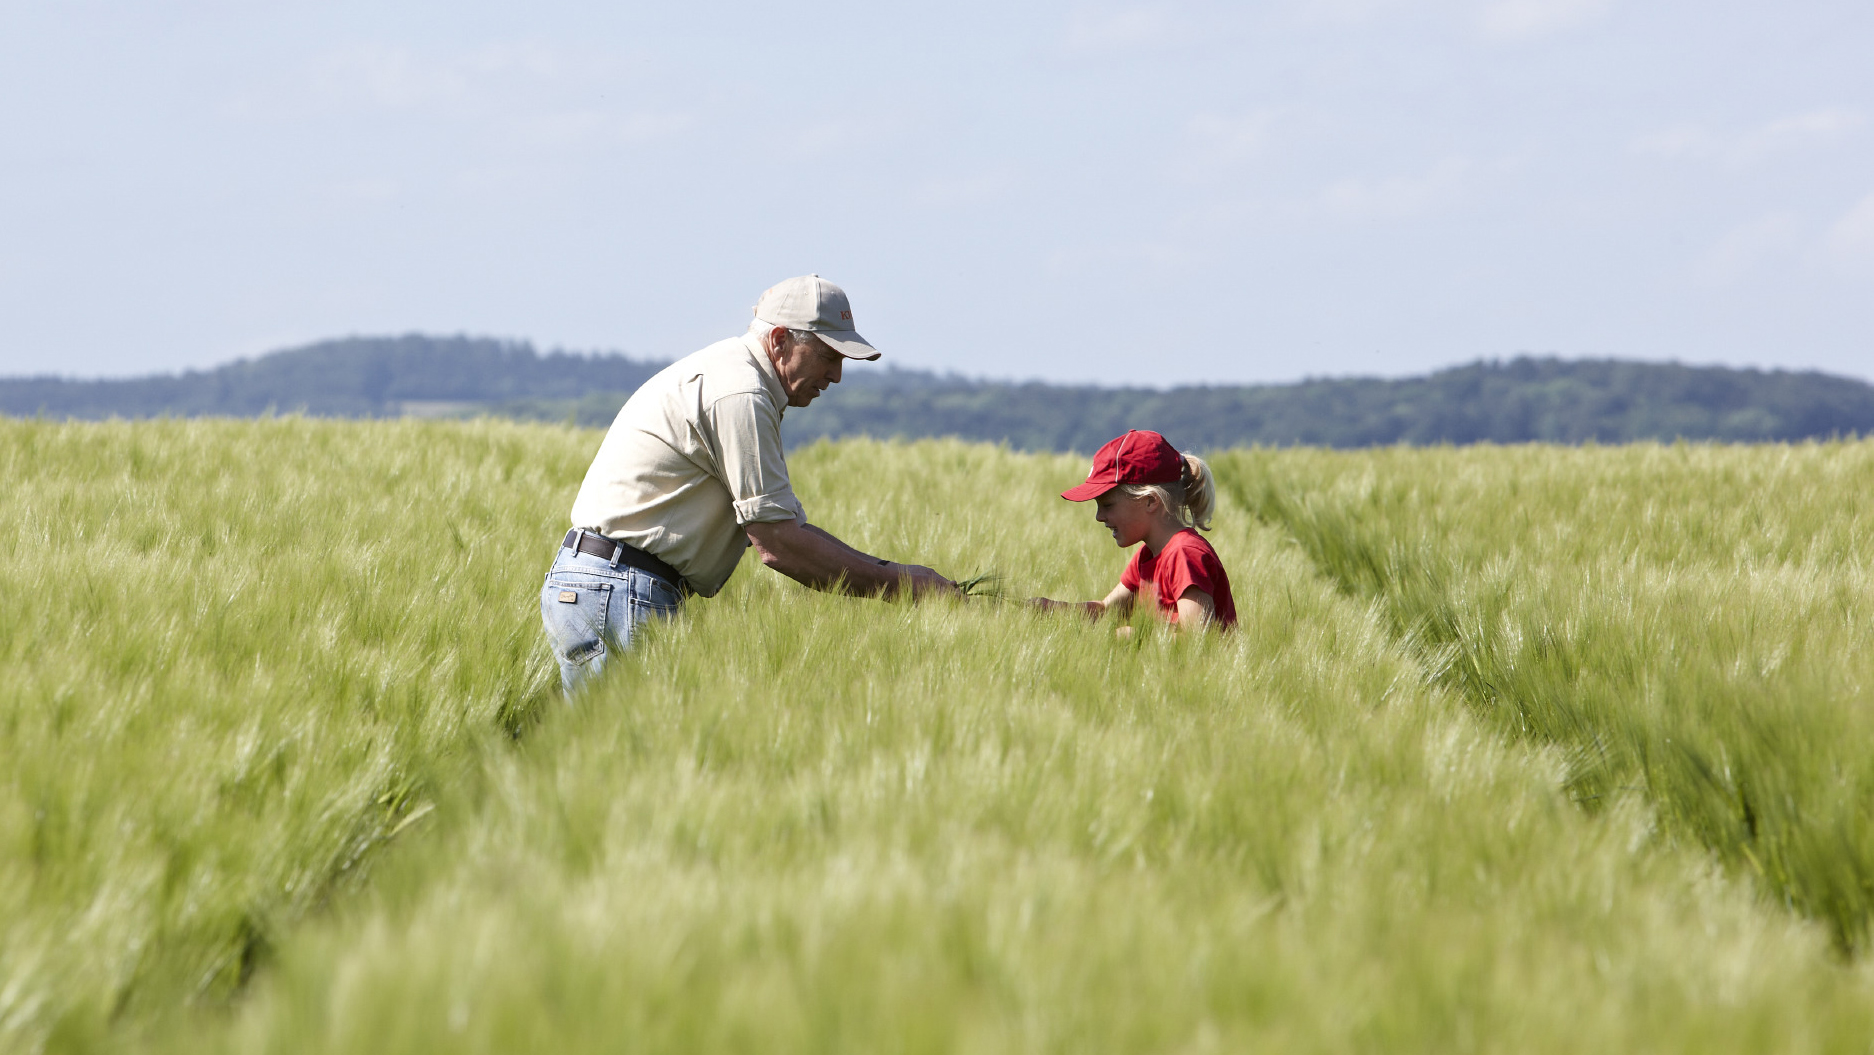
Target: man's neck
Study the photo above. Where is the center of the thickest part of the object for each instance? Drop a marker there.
(764, 352)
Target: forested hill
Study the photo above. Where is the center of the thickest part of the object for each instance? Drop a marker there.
(353, 377)
(1519, 401)
(1516, 401)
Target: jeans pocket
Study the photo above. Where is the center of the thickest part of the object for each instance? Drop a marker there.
(575, 611)
(654, 597)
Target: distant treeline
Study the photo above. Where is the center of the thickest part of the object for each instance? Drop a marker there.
(1517, 401)
(357, 377)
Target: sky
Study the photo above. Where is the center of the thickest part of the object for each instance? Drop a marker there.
(1142, 194)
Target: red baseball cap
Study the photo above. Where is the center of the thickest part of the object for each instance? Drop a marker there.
(1138, 457)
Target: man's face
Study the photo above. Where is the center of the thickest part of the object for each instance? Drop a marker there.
(806, 367)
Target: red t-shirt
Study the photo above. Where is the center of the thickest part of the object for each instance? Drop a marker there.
(1187, 561)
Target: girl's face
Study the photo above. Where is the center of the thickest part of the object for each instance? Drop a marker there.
(1129, 519)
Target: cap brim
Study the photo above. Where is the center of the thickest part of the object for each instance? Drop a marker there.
(1086, 491)
(848, 343)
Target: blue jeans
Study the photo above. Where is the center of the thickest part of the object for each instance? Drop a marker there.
(591, 607)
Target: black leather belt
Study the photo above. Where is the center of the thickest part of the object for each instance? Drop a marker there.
(621, 553)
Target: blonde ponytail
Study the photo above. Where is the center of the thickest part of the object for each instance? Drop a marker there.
(1200, 492)
(1191, 500)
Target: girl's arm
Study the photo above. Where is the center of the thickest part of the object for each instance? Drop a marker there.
(1119, 602)
(1195, 609)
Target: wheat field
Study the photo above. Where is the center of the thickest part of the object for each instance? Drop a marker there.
(285, 767)
(1693, 623)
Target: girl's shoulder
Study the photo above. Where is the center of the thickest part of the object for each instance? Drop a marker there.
(1189, 541)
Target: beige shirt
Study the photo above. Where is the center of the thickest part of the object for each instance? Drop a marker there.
(694, 455)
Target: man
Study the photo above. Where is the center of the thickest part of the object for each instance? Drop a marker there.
(692, 473)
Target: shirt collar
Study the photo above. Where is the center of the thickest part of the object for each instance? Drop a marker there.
(770, 377)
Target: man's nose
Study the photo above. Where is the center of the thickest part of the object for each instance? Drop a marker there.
(839, 367)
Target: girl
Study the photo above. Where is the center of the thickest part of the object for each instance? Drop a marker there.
(1143, 490)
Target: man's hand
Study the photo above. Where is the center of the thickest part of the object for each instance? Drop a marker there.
(923, 581)
(814, 558)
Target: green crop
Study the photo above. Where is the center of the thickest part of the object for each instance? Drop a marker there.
(283, 766)
(1692, 622)
(988, 584)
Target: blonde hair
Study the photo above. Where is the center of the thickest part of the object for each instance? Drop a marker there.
(1191, 500)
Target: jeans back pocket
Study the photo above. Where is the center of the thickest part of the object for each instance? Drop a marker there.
(576, 613)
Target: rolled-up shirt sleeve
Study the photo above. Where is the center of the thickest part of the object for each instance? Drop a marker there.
(747, 438)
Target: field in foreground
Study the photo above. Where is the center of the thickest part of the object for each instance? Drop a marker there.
(281, 767)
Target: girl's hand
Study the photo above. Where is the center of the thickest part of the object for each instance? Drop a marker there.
(1092, 609)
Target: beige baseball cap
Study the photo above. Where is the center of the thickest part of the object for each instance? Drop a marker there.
(812, 303)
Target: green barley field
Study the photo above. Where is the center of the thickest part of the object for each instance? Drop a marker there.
(1517, 749)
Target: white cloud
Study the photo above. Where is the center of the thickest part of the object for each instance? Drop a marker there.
(517, 92)
(1347, 12)
(1743, 146)
(1851, 238)
(643, 127)
(400, 78)
(1103, 259)
(373, 191)
(1748, 247)
(600, 127)
(1782, 240)
(961, 190)
(1677, 142)
(1499, 21)
(1494, 21)
(1397, 197)
(1221, 141)
(386, 76)
(1816, 126)
(1121, 30)
(1510, 20)
(1826, 122)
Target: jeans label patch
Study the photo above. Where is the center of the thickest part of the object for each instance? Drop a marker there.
(569, 597)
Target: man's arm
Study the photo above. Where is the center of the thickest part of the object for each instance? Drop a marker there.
(857, 554)
(815, 558)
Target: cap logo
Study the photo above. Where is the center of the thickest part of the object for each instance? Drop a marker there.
(847, 315)
(1121, 453)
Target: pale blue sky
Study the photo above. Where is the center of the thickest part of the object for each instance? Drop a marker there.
(1161, 193)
